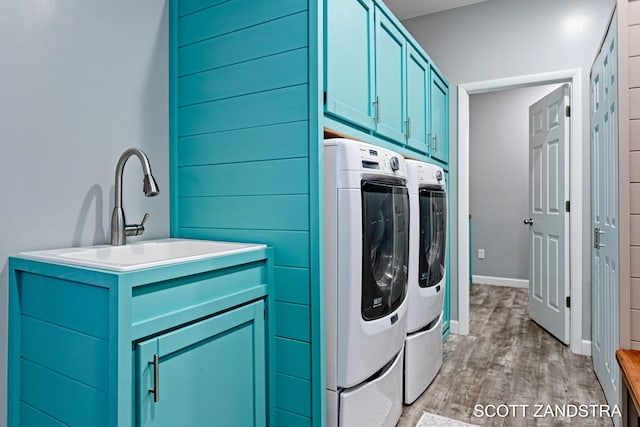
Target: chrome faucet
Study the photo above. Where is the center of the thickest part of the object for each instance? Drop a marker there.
(119, 228)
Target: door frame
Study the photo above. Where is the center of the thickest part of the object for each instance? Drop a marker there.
(576, 255)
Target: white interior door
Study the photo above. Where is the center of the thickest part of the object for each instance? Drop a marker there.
(548, 219)
(604, 217)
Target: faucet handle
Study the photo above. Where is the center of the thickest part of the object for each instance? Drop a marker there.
(136, 229)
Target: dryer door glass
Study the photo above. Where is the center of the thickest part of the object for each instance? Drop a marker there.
(385, 247)
(433, 235)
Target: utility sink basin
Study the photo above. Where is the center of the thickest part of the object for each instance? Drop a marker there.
(139, 255)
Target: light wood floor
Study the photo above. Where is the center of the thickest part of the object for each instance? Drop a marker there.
(507, 359)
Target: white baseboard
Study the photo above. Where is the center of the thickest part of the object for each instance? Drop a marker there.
(453, 326)
(500, 281)
(585, 348)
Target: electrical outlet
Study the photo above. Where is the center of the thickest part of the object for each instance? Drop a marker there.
(480, 253)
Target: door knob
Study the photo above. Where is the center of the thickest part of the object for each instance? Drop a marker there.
(528, 221)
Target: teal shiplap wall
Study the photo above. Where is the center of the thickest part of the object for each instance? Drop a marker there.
(245, 160)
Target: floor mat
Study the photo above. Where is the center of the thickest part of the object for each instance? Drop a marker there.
(428, 419)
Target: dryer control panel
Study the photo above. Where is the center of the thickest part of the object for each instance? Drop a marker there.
(424, 173)
(420, 173)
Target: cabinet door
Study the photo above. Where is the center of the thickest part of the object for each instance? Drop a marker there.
(417, 100)
(390, 85)
(439, 115)
(348, 65)
(208, 373)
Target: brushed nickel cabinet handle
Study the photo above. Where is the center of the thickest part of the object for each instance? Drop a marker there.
(376, 104)
(156, 378)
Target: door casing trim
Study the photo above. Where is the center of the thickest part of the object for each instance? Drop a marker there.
(573, 76)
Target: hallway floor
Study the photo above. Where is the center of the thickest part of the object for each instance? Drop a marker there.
(508, 360)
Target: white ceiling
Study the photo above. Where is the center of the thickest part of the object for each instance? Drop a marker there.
(405, 9)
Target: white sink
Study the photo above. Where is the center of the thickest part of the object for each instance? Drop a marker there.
(145, 254)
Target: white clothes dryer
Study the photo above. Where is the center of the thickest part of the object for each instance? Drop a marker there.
(426, 282)
(366, 262)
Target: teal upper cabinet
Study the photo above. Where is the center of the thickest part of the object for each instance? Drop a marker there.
(380, 86)
(389, 102)
(417, 100)
(439, 118)
(348, 82)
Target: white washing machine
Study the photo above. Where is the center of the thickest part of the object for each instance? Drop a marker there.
(427, 269)
(366, 262)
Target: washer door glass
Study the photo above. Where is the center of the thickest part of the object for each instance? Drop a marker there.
(433, 235)
(385, 247)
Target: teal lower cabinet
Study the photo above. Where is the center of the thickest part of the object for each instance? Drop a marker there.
(179, 345)
(211, 370)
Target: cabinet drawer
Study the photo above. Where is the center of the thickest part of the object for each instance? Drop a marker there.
(163, 305)
(208, 373)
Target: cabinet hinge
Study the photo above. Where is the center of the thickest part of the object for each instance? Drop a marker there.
(567, 111)
(567, 206)
(324, 100)
(568, 302)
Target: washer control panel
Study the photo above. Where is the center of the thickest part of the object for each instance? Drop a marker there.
(379, 160)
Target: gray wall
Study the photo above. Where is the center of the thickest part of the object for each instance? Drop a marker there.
(499, 180)
(506, 38)
(80, 82)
